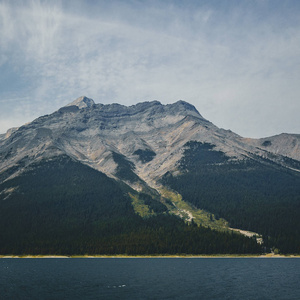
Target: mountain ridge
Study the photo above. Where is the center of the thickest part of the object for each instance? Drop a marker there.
(91, 132)
(149, 150)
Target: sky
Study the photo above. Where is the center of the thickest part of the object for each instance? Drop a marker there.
(237, 62)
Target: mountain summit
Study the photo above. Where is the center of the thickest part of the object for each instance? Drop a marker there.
(94, 133)
(164, 159)
(82, 102)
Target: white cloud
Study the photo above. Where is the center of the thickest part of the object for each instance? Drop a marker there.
(233, 66)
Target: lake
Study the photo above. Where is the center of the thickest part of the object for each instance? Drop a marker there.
(150, 278)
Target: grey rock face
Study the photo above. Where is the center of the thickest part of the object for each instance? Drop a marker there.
(82, 102)
(283, 144)
(151, 136)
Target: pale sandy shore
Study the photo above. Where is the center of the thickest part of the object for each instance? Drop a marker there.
(269, 255)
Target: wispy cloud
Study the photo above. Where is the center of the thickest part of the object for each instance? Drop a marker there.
(238, 63)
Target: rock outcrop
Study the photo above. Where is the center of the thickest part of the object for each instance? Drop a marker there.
(149, 135)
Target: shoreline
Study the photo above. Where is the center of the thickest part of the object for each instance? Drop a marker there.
(269, 255)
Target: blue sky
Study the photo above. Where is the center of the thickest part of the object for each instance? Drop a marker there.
(238, 62)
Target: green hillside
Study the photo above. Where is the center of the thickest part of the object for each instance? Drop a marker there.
(61, 206)
(254, 194)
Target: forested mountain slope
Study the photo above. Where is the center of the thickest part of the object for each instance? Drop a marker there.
(149, 178)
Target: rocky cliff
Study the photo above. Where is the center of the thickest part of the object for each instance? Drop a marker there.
(95, 133)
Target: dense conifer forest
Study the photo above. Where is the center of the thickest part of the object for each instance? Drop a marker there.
(60, 206)
(254, 194)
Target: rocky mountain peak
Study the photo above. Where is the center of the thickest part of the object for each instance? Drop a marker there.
(150, 135)
(183, 105)
(82, 102)
(178, 160)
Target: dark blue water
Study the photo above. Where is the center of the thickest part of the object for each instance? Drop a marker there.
(150, 278)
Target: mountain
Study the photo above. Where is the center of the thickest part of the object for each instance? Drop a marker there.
(284, 144)
(106, 178)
